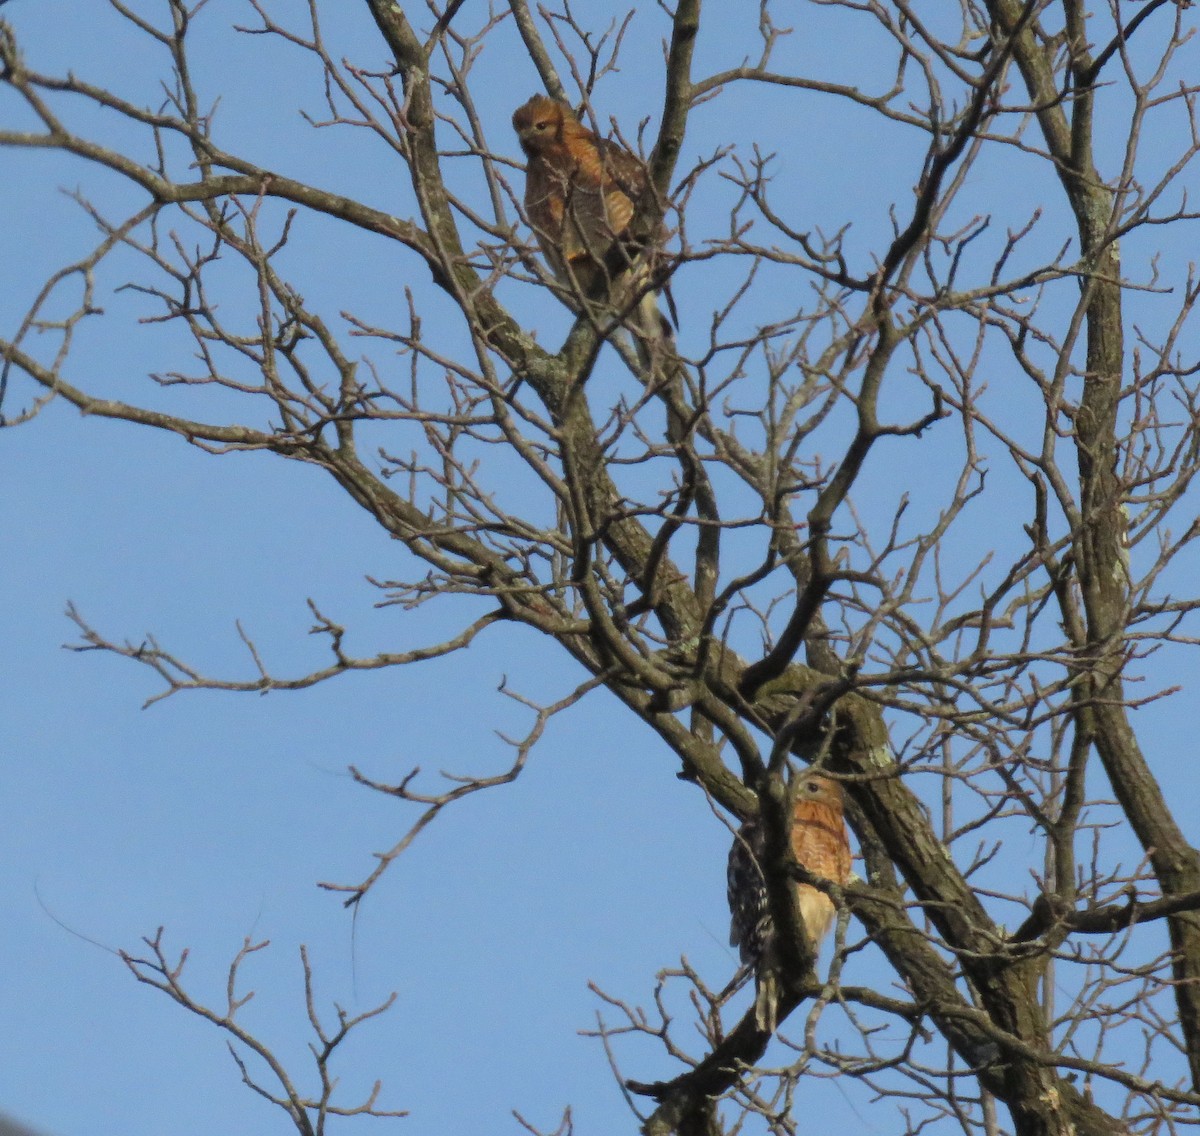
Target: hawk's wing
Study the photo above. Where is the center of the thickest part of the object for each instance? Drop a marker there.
(750, 919)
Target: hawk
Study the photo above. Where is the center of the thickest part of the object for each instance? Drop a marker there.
(821, 844)
(581, 197)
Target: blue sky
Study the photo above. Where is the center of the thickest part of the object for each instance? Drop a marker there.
(215, 815)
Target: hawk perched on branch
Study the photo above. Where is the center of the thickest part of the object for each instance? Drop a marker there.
(821, 844)
(582, 194)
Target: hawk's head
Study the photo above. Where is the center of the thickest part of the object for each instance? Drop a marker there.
(814, 789)
(539, 124)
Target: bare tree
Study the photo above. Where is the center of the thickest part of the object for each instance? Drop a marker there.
(908, 501)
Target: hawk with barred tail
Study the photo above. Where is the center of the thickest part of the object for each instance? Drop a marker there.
(581, 197)
(821, 844)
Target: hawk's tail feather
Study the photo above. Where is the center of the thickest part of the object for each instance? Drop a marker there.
(766, 1000)
(666, 294)
(652, 331)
